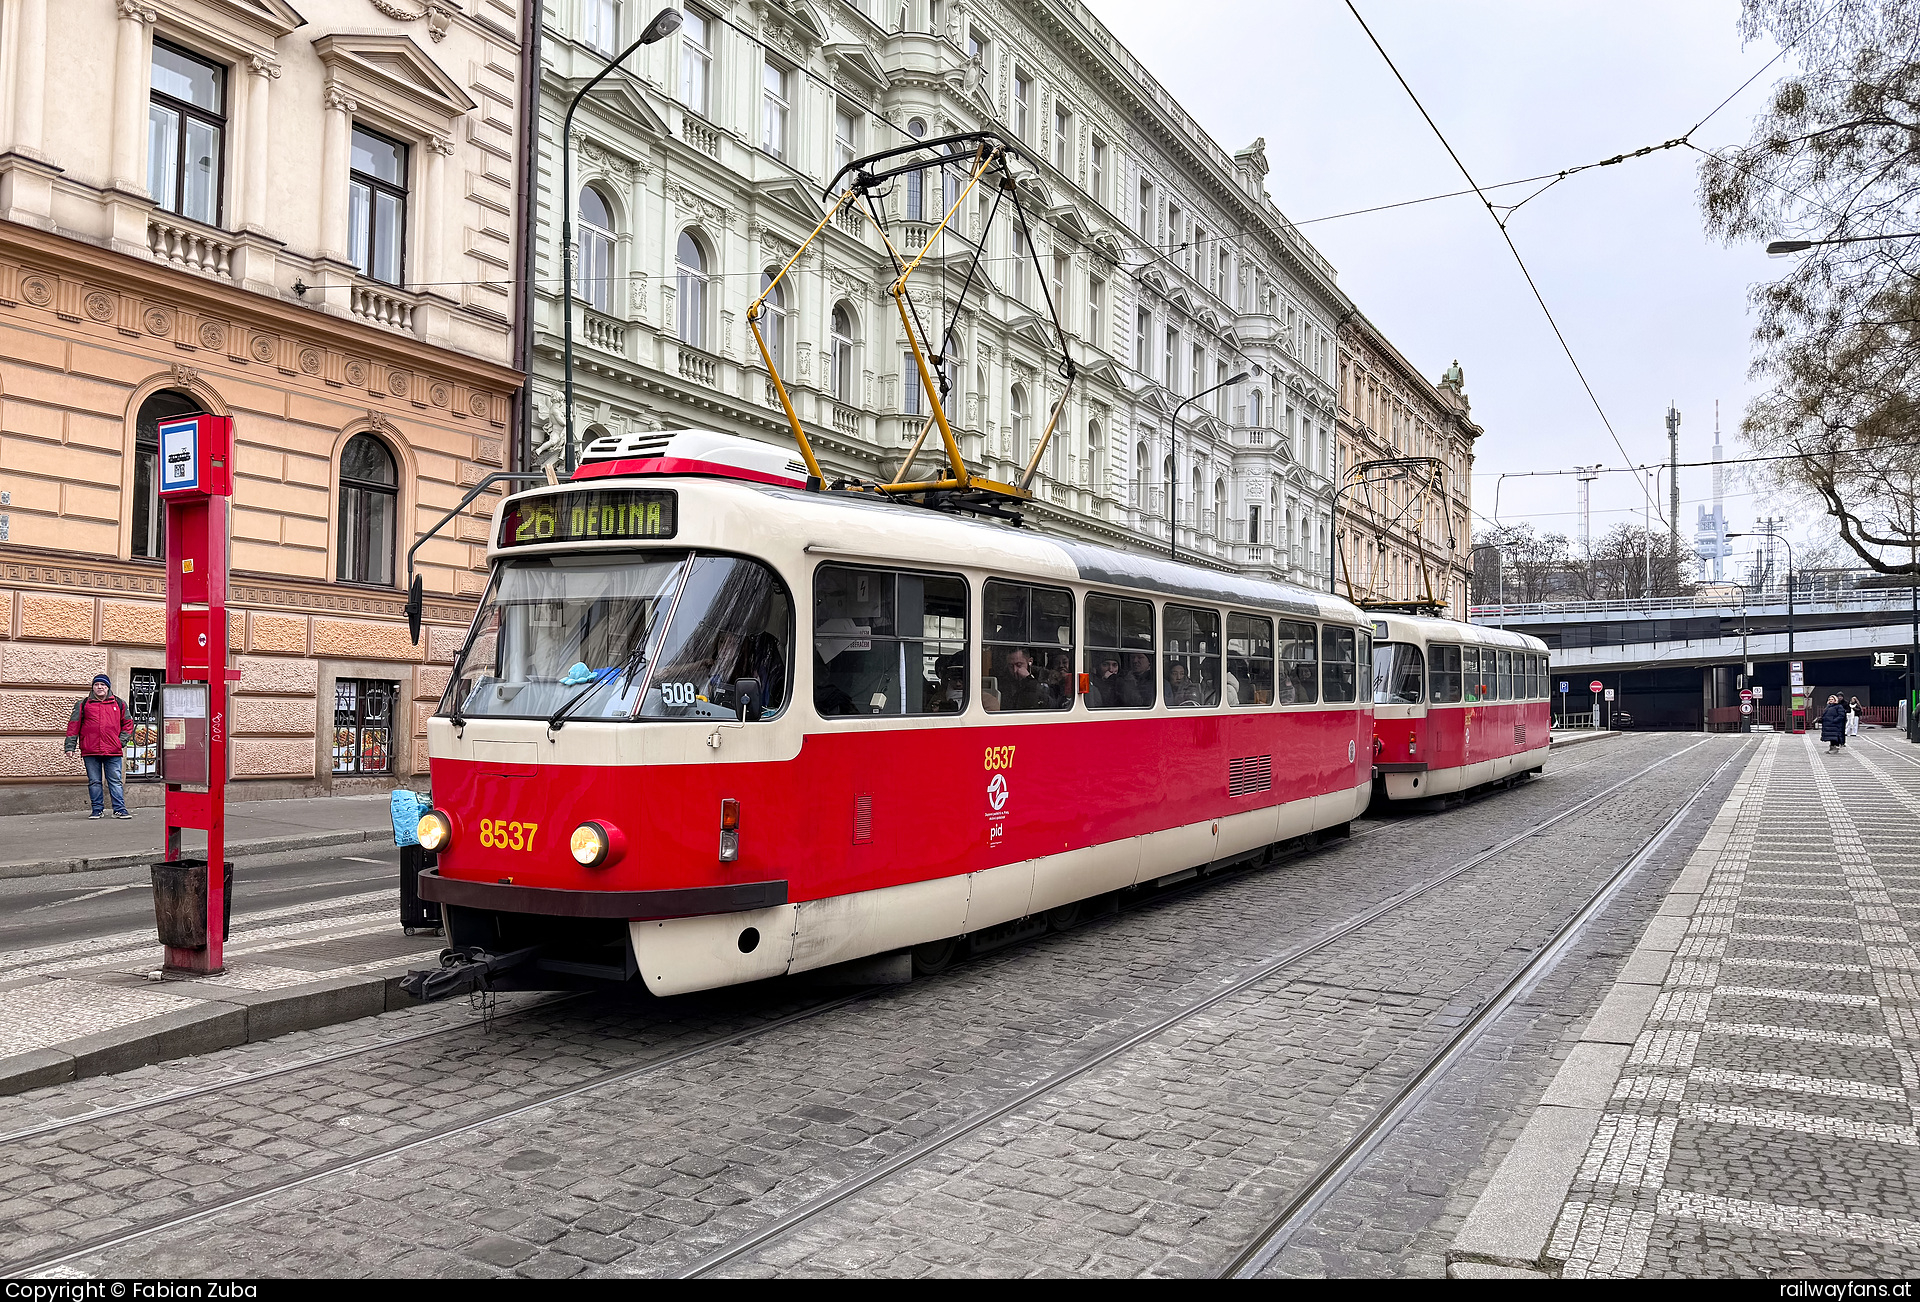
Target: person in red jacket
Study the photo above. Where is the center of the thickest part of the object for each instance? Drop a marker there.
(99, 729)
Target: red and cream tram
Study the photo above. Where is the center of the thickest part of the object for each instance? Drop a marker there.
(710, 726)
(1455, 706)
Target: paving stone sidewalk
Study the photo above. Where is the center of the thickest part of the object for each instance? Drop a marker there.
(1765, 1091)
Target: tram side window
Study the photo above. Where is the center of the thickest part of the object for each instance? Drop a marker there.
(1338, 672)
(1192, 661)
(1539, 678)
(728, 647)
(1249, 660)
(1398, 674)
(1027, 643)
(1503, 676)
(889, 642)
(1444, 673)
(1299, 648)
(1119, 653)
(1533, 675)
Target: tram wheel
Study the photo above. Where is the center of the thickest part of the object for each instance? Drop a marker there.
(934, 956)
(1064, 918)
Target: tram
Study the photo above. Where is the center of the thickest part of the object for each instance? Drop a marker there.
(713, 723)
(1455, 706)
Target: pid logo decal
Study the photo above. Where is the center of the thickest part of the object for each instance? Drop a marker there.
(998, 760)
(997, 791)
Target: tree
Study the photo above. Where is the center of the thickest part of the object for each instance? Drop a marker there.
(1836, 155)
(1538, 567)
(1632, 562)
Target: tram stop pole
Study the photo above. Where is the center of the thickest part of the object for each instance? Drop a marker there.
(189, 896)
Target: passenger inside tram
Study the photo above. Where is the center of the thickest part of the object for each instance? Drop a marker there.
(1020, 689)
(1104, 691)
(1136, 688)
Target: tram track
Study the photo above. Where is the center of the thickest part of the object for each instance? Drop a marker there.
(792, 1220)
(624, 1073)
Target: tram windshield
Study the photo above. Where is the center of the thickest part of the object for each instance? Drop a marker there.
(591, 636)
(1397, 674)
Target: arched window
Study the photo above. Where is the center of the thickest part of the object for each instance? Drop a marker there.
(1018, 422)
(841, 339)
(594, 272)
(149, 521)
(369, 492)
(1253, 409)
(1220, 505)
(1140, 474)
(916, 181)
(691, 268)
(773, 318)
(1096, 458)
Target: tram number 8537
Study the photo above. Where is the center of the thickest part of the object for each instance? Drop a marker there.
(499, 834)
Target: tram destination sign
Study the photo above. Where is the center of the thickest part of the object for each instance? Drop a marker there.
(592, 515)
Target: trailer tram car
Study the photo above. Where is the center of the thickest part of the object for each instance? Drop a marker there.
(713, 725)
(1455, 706)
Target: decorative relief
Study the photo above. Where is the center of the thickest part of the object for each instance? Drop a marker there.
(440, 395)
(478, 404)
(184, 376)
(311, 359)
(213, 335)
(100, 305)
(356, 372)
(439, 16)
(37, 290)
(137, 12)
(263, 65)
(397, 382)
(157, 320)
(263, 347)
(336, 97)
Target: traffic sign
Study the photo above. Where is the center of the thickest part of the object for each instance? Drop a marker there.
(1596, 686)
(1563, 687)
(1746, 693)
(1759, 692)
(1746, 707)
(1609, 693)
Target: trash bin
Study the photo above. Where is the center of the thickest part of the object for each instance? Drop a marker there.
(417, 916)
(180, 903)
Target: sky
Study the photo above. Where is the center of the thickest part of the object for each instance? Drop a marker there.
(1655, 312)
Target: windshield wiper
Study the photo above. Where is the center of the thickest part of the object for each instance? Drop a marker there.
(558, 718)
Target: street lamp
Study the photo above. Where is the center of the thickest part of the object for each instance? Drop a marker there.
(1797, 246)
(662, 25)
(1769, 533)
(1173, 464)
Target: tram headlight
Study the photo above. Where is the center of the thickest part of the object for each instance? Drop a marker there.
(596, 844)
(434, 831)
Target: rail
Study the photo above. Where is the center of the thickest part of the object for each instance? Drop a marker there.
(1803, 598)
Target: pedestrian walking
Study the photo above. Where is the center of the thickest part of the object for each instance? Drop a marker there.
(1853, 717)
(1833, 724)
(99, 729)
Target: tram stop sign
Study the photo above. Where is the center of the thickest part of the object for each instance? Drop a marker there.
(1596, 686)
(1564, 684)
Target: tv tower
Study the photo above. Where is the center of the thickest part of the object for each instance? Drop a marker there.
(1710, 528)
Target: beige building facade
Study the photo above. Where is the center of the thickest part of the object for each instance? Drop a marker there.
(303, 219)
(1402, 533)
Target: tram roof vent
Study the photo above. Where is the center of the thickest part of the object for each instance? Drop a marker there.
(690, 452)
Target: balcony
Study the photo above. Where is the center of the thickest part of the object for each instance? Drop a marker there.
(698, 367)
(381, 305)
(189, 245)
(846, 420)
(696, 132)
(851, 222)
(604, 333)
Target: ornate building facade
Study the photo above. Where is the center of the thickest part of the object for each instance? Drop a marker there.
(301, 218)
(1170, 266)
(1401, 533)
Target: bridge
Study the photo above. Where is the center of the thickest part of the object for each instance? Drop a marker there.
(1678, 661)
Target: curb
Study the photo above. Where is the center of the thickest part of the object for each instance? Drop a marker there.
(1509, 1232)
(236, 1017)
(235, 850)
(1578, 739)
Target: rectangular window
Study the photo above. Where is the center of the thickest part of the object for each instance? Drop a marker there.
(603, 26)
(979, 49)
(1174, 221)
(911, 401)
(1299, 647)
(1337, 666)
(1119, 653)
(1061, 122)
(916, 196)
(186, 133)
(1142, 342)
(1196, 369)
(773, 132)
(1022, 252)
(1220, 394)
(1445, 670)
(1192, 657)
(846, 137)
(140, 757)
(696, 61)
(1503, 676)
(1022, 107)
(1097, 312)
(1062, 269)
(1170, 364)
(1026, 640)
(363, 725)
(1249, 656)
(1097, 171)
(889, 642)
(377, 207)
(1145, 215)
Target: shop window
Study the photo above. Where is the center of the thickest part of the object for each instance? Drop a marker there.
(363, 725)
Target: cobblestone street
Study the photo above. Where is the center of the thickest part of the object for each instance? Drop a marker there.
(1135, 1096)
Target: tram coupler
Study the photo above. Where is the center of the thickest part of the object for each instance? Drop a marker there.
(463, 969)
